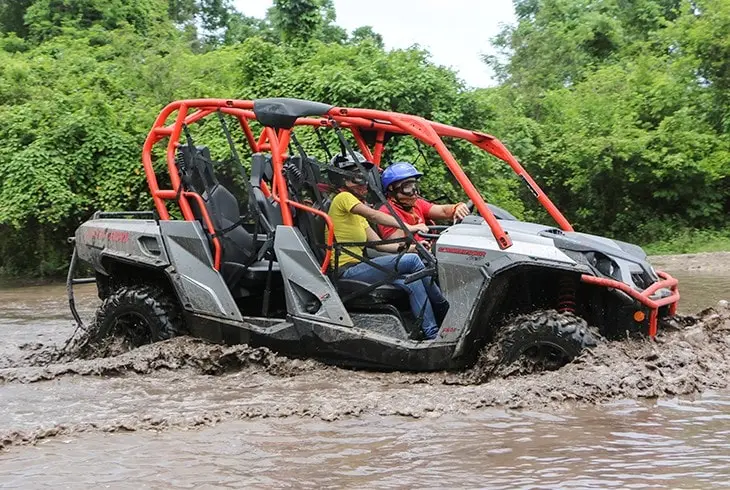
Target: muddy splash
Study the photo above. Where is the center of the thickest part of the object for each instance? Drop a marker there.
(691, 352)
(689, 356)
(181, 353)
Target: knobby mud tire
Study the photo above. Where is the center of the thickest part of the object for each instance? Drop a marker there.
(137, 314)
(544, 340)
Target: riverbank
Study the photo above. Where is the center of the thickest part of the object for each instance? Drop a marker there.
(709, 262)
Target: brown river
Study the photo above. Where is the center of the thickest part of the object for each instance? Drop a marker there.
(185, 414)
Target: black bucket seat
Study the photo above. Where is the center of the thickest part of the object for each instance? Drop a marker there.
(240, 249)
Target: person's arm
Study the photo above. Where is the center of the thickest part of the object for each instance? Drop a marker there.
(398, 233)
(448, 211)
(387, 247)
(381, 218)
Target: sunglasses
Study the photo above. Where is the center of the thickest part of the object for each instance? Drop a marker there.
(358, 180)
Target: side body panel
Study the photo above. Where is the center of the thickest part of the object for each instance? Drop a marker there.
(129, 240)
(469, 259)
(178, 248)
(309, 293)
(200, 287)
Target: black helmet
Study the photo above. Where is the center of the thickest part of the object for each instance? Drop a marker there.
(343, 168)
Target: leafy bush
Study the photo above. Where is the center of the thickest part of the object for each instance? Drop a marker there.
(620, 110)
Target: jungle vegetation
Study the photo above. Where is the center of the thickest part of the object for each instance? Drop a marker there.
(620, 109)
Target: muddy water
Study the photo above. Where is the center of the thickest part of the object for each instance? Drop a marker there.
(188, 414)
(704, 278)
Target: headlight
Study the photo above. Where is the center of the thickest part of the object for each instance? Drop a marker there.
(602, 263)
(605, 266)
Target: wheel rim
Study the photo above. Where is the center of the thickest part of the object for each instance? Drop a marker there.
(133, 328)
(544, 356)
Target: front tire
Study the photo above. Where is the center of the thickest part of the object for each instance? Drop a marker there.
(545, 340)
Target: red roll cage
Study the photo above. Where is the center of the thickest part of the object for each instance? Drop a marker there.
(276, 142)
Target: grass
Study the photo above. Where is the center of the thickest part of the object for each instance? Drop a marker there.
(691, 241)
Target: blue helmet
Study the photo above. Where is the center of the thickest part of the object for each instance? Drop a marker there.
(397, 172)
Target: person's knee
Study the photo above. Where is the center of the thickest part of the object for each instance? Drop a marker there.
(410, 262)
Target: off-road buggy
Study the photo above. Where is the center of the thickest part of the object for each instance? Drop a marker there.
(263, 268)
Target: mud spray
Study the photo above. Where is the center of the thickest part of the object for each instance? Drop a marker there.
(690, 354)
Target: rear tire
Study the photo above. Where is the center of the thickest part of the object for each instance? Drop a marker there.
(545, 340)
(139, 315)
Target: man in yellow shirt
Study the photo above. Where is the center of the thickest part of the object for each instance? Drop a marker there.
(350, 222)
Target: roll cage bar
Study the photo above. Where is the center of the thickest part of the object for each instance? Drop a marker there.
(279, 115)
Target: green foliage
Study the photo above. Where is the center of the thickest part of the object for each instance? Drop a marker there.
(301, 21)
(691, 241)
(619, 109)
(11, 16)
(47, 18)
(241, 27)
(351, 75)
(556, 43)
(699, 42)
(366, 33)
(76, 110)
(296, 20)
(626, 110)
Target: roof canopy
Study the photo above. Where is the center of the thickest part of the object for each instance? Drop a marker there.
(282, 113)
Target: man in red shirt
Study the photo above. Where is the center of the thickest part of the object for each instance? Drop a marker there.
(400, 181)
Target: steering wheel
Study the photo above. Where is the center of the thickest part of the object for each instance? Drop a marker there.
(433, 233)
(470, 206)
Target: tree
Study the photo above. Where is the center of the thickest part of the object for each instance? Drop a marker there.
(241, 27)
(11, 16)
(76, 109)
(296, 20)
(556, 43)
(210, 15)
(630, 101)
(47, 18)
(301, 21)
(366, 33)
(699, 40)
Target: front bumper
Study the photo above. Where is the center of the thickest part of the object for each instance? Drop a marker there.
(649, 297)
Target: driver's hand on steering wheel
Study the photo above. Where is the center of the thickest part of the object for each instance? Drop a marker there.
(461, 211)
(418, 227)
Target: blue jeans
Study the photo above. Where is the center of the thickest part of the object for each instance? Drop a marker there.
(420, 292)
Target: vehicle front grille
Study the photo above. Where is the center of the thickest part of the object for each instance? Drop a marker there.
(641, 280)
